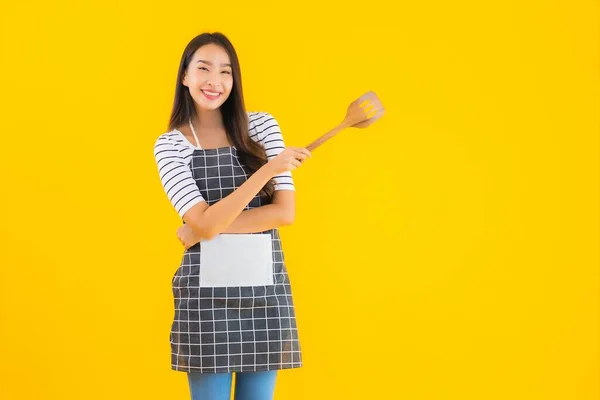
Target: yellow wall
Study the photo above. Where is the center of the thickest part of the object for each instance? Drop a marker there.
(450, 251)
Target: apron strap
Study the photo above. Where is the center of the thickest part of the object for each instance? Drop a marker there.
(194, 133)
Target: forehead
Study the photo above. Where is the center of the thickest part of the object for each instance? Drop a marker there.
(211, 52)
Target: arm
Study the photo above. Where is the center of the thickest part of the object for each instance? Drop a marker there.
(266, 131)
(207, 222)
(181, 189)
(280, 212)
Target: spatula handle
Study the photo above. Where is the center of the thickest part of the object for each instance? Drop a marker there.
(316, 143)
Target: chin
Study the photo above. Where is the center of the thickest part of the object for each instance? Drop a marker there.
(210, 106)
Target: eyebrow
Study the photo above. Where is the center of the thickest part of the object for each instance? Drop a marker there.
(209, 63)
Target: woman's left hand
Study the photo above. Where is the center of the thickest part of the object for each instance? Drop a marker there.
(186, 236)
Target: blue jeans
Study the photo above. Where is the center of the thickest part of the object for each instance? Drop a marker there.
(248, 385)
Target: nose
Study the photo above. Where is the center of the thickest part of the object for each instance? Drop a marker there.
(214, 79)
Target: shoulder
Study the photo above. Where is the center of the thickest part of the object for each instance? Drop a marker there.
(261, 124)
(171, 137)
(258, 119)
(169, 142)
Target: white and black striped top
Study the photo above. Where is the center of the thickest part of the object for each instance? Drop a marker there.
(173, 152)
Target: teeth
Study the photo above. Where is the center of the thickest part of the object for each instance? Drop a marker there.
(211, 93)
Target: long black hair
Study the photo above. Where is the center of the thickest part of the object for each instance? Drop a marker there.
(233, 110)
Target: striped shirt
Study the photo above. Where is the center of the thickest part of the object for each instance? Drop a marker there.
(173, 153)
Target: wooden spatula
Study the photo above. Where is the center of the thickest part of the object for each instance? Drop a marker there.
(361, 113)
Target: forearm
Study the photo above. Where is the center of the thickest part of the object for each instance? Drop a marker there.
(222, 214)
(259, 219)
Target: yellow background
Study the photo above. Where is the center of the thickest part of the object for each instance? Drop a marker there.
(450, 251)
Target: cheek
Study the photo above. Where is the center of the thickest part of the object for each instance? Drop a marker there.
(192, 80)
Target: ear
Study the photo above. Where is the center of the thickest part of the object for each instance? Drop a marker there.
(184, 81)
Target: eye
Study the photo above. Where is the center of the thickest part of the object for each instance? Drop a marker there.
(203, 68)
(227, 72)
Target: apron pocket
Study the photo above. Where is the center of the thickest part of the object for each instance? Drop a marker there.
(236, 260)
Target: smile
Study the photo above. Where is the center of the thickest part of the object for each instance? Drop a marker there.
(210, 94)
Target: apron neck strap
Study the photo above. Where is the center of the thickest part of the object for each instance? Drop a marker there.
(194, 133)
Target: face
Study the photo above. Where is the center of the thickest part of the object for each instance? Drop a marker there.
(209, 76)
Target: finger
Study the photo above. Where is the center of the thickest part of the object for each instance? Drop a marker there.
(300, 156)
(304, 151)
(296, 163)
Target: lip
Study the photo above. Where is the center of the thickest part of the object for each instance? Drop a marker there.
(210, 96)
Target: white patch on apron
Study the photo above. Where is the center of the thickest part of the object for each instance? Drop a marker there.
(236, 260)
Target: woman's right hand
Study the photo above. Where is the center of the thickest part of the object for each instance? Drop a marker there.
(288, 160)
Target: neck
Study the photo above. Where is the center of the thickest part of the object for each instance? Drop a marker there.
(208, 119)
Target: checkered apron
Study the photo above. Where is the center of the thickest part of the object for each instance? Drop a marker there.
(231, 329)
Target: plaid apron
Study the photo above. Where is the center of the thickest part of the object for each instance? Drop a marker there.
(231, 329)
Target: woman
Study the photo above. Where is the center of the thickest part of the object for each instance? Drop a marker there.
(227, 173)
